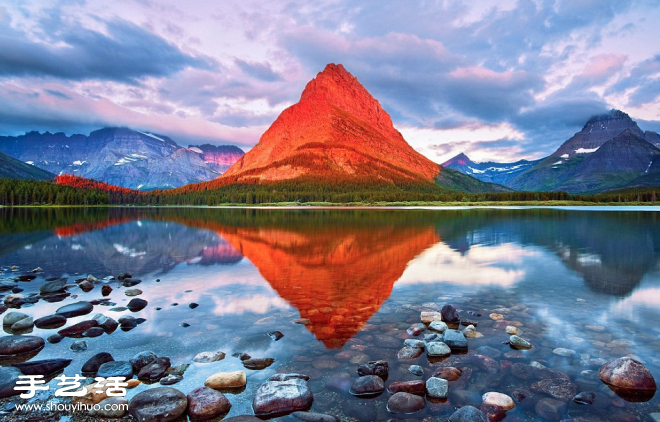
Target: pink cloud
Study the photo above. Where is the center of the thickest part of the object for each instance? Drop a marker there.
(604, 65)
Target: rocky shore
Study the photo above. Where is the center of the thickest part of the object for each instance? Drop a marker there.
(432, 362)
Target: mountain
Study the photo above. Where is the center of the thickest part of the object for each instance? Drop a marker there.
(12, 168)
(492, 172)
(577, 167)
(218, 157)
(120, 156)
(339, 133)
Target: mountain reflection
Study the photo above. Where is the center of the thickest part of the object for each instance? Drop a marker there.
(337, 267)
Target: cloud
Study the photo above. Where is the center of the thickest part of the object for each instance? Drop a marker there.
(261, 71)
(117, 51)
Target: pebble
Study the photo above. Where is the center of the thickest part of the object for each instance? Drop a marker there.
(585, 397)
(368, 385)
(438, 326)
(437, 388)
(142, 359)
(282, 395)
(550, 409)
(560, 351)
(405, 403)
(413, 387)
(409, 353)
(471, 332)
(258, 363)
(416, 370)
(449, 373)
(26, 324)
(155, 370)
(496, 317)
(437, 349)
(106, 290)
(53, 286)
(193, 305)
(498, 399)
(416, 329)
(50, 322)
(160, 404)
(13, 317)
(75, 309)
(136, 304)
(275, 335)
(94, 363)
(428, 317)
(8, 378)
(468, 414)
(449, 314)
(630, 378)
(79, 346)
(314, 417)
(115, 369)
(206, 403)
(413, 343)
(519, 343)
(170, 379)
(511, 330)
(208, 357)
(226, 380)
(455, 340)
(46, 367)
(18, 345)
(378, 367)
(133, 292)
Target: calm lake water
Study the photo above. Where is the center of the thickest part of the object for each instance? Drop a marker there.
(585, 280)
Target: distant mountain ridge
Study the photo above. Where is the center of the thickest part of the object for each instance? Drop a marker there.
(122, 157)
(489, 171)
(610, 152)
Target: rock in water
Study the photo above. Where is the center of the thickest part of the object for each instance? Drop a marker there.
(205, 403)
(115, 369)
(75, 309)
(405, 403)
(282, 397)
(155, 370)
(12, 318)
(519, 343)
(550, 409)
(226, 380)
(449, 314)
(111, 408)
(93, 364)
(455, 340)
(160, 404)
(437, 349)
(437, 388)
(377, 367)
(8, 378)
(18, 345)
(498, 399)
(468, 414)
(137, 304)
(43, 367)
(208, 357)
(258, 364)
(50, 321)
(368, 385)
(629, 378)
(413, 387)
(314, 417)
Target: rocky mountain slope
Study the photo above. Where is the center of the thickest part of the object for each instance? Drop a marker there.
(122, 157)
(337, 133)
(12, 168)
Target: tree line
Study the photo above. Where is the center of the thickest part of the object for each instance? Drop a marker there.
(30, 192)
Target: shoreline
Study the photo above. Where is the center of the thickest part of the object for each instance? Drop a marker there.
(377, 205)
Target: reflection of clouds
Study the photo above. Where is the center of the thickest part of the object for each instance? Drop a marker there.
(481, 265)
(258, 304)
(645, 298)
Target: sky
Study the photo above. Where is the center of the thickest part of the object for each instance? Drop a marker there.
(498, 80)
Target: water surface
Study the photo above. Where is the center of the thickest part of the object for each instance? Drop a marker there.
(586, 280)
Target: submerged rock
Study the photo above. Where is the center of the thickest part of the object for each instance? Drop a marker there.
(405, 403)
(519, 343)
(449, 314)
(455, 340)
(46, 367)
(115, 369)
(498, 399)
(468, 414)
(93, 364)
(413, 387)
(437, 349)
(258, 363)
(208, 357)
(377, 367)
(8, 378)
(226, 380)
(437, 388)
(368, 385)
(18, 345)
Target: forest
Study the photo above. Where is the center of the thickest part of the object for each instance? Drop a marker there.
(79, 191)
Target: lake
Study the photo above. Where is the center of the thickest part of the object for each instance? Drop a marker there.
(344, 285)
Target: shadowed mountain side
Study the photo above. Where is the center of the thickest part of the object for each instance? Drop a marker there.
(337, 277)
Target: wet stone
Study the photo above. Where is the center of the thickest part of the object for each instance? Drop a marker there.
(585, 397)
(54, 339)
(550, 409)
(115, 369)
(155, 370)
(437, 388)
(405, 403)
(94, 363)
(76, 330)
(412, 387)
(314, 417)
(8, 378)
(13, 317)
(137, 304)
(368, 385)
(78, 346)
(449, 314)
(455, 340)
(498, 399)
(630, 378)
(449, 373)
(258, 363)
(226, 380)
(468, 414)
(414, 343)
(75, 309)
(416, 370)
(93, 332)
(409, 353)
(438, 326)
(18, 345)
(519, 343)
(378, 367)
(170, 379)
(160, 404)
(275, 335)
(142, 359)
(416, 329)
(559, 389)
(108, 324)
(205, 403)
(50, 322)
(208, 357)
(437, 349)
(282, 397)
